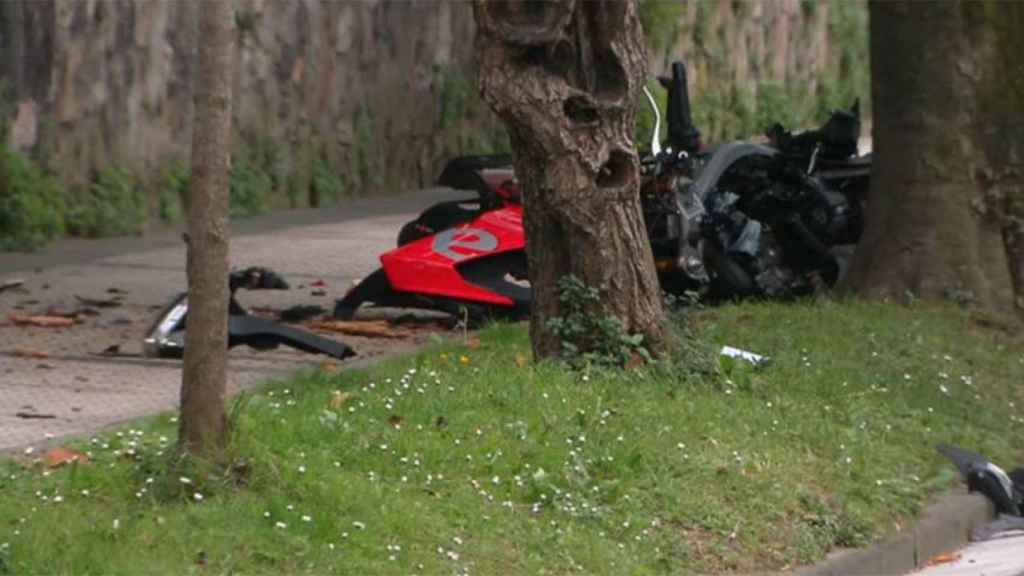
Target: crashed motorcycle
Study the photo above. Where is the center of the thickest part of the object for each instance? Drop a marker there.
(742, 219)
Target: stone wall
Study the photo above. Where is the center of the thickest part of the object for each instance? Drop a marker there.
(379, 91)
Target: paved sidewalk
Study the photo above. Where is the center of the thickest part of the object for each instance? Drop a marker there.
(76, 390)
(1001, 556)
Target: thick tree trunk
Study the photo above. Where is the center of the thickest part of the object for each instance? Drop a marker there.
(947, 190)
(563, 76)
(204, 378)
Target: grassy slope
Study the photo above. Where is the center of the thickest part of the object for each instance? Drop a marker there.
(463, 460)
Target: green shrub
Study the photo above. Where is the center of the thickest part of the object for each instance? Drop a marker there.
(171, 192)
(113, 205)
(251, 186)
(328, 187)
(31, 203)
(660, 21)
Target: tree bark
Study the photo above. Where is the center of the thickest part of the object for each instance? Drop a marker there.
(563, 76)
(204, 377)
(946, 204)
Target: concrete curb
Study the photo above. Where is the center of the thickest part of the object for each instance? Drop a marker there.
(945, 526)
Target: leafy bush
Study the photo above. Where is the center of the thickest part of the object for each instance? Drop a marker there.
(589, 338)
(250, 188)
(660, 21)
(113, 205)
(327, 185)
(171, 192)
(31, 203)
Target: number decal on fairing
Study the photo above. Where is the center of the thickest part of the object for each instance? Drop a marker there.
(469, 238)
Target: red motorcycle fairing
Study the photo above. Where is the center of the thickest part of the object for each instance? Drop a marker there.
(429, 266)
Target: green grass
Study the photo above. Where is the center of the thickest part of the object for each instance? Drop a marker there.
(459, 460)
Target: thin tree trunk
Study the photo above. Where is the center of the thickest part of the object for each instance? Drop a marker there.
(563, 76)
(204, 378)
(947, 190)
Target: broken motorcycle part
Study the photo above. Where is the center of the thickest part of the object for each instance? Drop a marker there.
(166, 337)
(1006, 491)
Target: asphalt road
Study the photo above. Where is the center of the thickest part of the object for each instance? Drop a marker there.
(71, 388)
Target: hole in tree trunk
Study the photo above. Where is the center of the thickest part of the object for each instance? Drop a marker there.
(524, 14)
(528, 22)
(579, 111)
(617, 171)
(610, 81)
(558, 60)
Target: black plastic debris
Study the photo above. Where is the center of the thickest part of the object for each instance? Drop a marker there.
(1006, 491)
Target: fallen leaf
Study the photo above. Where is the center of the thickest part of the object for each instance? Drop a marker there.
(944, 558)
(521, 359)
(60, 456)
(464, 360)
(338, 398)
(27, 353)
(42, 321)
(116, 290)
(473, 343)
(318, 292)
(367, 328)
(329, 367)
(396, 420)
(318, 284)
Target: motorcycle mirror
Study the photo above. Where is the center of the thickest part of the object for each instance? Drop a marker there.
(655, 143)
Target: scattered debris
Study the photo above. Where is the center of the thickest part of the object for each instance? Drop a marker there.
(112, 350)
(318, 284)
(100, 302)
(944, 559)
(755, 359)
(34, 416)
(318, 292)
(60, 456)
(257, 278)
(29, 353)
(42, 321)
(301, 313)
(366, 328)
(116, 290)
(8, 284)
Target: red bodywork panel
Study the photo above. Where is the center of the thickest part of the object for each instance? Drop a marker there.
(428, 265)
